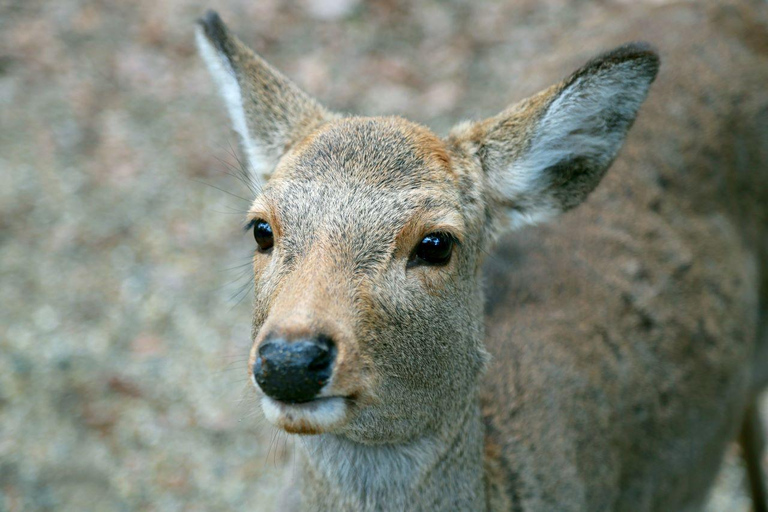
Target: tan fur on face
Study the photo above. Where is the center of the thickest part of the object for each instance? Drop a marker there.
(307, 303)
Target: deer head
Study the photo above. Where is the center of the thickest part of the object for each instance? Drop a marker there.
(370, 232)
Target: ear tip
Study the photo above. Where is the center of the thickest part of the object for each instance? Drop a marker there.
(210, 21)
(214, 28)
(643, 56)
(641, 52)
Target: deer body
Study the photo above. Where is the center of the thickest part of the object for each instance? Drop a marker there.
(626, 340)
(647, 300)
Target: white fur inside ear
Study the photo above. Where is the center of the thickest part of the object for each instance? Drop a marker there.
(226, 80)
(575, 126)
(517, 219)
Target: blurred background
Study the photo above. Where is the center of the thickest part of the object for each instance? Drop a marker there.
(124, 272)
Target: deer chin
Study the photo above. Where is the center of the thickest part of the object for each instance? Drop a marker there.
(317, 416)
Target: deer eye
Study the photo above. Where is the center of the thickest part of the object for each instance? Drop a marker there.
(434, 249)
(262, 232)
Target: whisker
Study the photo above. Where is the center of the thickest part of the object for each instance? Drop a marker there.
(220, 189)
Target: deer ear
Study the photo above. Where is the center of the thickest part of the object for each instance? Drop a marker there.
(545, 154)
(268, 111)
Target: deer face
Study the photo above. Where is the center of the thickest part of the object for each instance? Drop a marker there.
(367, 316)
(370, 232)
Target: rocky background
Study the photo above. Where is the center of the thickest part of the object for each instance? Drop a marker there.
(124, 279)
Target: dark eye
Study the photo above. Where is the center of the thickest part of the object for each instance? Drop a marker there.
(262, 232)
(434, 249)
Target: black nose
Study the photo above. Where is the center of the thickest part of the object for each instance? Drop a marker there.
(294, 371)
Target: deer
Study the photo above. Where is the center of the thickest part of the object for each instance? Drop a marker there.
(444, 329)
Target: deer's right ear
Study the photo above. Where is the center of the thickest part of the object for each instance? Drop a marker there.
(268, 111)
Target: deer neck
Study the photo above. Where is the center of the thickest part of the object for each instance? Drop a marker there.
(442, 471)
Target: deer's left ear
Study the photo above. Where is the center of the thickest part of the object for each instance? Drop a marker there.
(545, 154)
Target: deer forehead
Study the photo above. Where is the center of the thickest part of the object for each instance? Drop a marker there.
(388, 152)
(358, 176)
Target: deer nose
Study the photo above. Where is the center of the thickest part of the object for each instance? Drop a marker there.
(294, 371)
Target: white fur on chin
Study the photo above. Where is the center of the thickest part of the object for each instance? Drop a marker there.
(313, 417)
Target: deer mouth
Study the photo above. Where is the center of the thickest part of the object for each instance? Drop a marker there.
(317, 416)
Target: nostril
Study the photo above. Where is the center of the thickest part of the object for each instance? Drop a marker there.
(266, 348)
(324, 356)
(320, 361)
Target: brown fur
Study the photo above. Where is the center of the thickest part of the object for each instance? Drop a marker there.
(624, 338)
